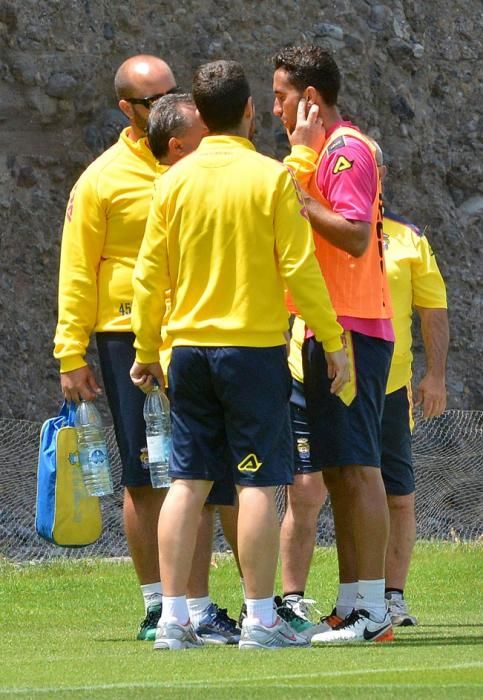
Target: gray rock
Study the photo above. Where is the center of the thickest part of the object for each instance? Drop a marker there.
(108, 31)
(401, 107)
(331, 31)
(26, 177)
(8, 16)
(380, 18)
(418, 50)
(401, 52)
(472, 206)
(61, 85)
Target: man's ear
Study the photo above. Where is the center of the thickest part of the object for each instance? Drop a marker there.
(126, 108)
(175, 149)
(249, 112)
(312, 96)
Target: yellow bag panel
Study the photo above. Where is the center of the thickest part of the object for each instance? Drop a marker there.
(78, 519)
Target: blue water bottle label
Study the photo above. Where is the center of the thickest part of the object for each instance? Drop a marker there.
(98, 456)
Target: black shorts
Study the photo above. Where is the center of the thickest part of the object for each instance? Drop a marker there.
(343, 435)
(126, 402)
(229, 410)
(397, 463)
(300, 431)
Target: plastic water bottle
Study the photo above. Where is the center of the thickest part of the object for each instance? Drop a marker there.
(158, 436)
(92, 446)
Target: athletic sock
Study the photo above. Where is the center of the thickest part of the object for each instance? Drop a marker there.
(289, 594)
(196, 607)
(394, 593)
(152, 594)
(346, 599)
(261, 610)
(370, 597)
(175, 609)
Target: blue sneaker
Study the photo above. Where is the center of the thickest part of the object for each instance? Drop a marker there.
(215, 627)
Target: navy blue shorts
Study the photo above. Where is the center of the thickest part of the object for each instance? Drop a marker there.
(397, 460)
(229, 410)
(116, 355)
(126, 402)
(344, 435)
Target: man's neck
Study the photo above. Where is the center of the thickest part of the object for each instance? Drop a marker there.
(242, 131)
(135, 134)
(329, 116)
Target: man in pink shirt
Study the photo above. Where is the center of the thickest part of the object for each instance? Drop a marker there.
(336, 166)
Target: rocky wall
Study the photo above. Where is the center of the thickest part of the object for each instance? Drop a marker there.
(412, 79)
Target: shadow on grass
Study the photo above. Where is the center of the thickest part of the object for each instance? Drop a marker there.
(413, 641)
(408, 641)
(453, 624)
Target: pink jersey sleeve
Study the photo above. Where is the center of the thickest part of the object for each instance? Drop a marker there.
(347, 178)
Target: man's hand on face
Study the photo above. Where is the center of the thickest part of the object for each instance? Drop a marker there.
(309, 129)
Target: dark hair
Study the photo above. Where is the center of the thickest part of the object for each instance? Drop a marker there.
(167, 119)
(220, 92)
(310, 65)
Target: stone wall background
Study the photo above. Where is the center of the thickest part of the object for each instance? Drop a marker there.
(411, 80)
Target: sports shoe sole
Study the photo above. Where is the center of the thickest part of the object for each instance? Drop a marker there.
(148, 636)
(386, 636)
(173, 645)
(404, 621)
(217, 640)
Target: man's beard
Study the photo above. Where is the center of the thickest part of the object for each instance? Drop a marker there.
(140, 122)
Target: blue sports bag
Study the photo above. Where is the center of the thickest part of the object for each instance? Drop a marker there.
(65, 513)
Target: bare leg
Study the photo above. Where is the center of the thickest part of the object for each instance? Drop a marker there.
(177, 532)
(299, 528)
(343, 524)
(229, 523)
(198, 584)
(402, 536)
(141, 512)
(258, 539)
(370, 519)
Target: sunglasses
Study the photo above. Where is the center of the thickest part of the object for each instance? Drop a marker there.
(149, 101)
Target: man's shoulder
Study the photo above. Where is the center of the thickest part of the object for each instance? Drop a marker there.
(258, 164)
(347, 152)
(104, 162)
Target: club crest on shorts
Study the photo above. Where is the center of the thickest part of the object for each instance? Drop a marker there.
(250, 464)
(144, 458)
(303, 448)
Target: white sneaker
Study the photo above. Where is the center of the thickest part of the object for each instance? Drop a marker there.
(327, 623)
(357, 627)
(173, 636)
(280, 634)
(398, 611)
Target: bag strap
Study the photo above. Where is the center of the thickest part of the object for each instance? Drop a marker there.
(67, 411)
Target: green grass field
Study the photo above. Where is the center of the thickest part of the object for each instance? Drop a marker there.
(68, 631)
